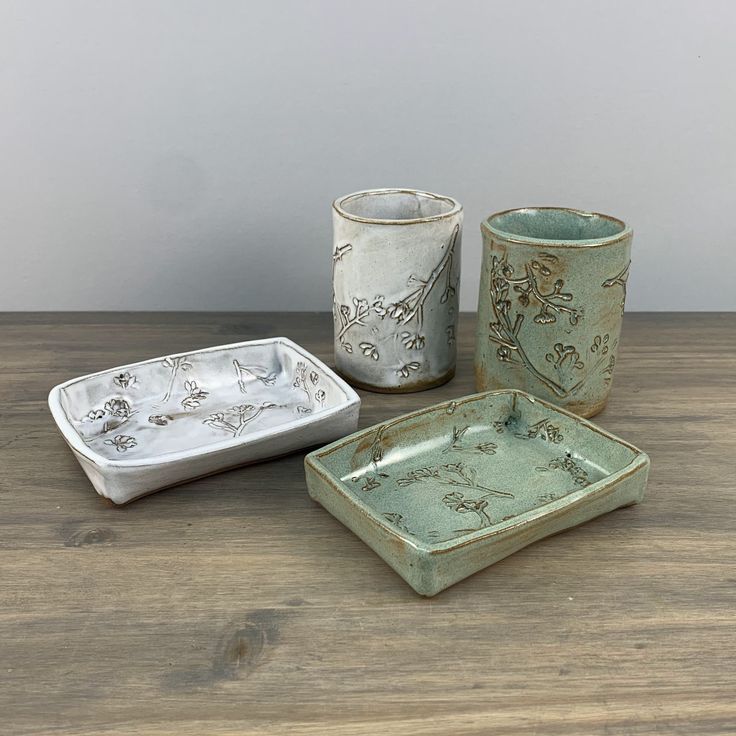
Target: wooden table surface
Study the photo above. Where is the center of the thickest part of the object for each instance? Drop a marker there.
(235, 604)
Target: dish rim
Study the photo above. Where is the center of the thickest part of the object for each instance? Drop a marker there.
(78, 446)
(543, 511)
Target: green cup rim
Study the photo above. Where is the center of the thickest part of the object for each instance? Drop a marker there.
(624, 233)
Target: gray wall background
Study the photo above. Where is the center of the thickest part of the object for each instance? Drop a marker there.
(171, 154)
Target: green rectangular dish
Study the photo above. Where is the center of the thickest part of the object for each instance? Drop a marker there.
(443, 492)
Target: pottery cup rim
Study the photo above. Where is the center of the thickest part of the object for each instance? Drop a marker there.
(446, 207)
(518, 225)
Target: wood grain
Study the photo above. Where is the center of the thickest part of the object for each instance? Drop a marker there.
(234, 604)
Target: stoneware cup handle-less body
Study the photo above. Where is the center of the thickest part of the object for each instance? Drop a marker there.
(552, 291)
(396, 273)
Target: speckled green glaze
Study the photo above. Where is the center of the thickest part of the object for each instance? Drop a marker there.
(552, 292)
(446, 491)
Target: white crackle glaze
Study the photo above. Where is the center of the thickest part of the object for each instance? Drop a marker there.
(153, 424)
(396, 273)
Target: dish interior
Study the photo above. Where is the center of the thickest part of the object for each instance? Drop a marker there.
(556, 224)
(205, 398)
(463, 467)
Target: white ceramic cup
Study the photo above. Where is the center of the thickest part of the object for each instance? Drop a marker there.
(395, 276)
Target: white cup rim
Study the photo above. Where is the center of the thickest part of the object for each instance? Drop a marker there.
(338, 206)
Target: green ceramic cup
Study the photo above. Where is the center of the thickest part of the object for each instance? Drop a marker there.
(552, 292)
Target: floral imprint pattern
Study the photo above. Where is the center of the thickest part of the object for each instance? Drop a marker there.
(619, 279)
(355, 316)
(340, 252)
(118, 408)
(235, 419)
(375, 451)
(450, 332)
(544, 430)
(451, 474)
(566, 463)
(458, 444)
(174, 365)
(369, 349)
(307, 383)
(370, 483)
(458, 503)
(195, 395)
(124, 380)
(256, 372)
(410, 307)
(505, 284)
(406, 310)
(406, 369)
(115, 413)
(547, 497)
(566, 373)
(122, 442)
(397, 520)
(412, 340)
(600, 347)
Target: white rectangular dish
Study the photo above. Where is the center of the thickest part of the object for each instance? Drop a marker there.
(142, 427)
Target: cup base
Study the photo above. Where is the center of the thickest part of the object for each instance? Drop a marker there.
(587, 410)
(583, 409)
(408, 389)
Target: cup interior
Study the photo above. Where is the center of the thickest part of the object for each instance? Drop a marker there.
(395, 205)
(556, 225)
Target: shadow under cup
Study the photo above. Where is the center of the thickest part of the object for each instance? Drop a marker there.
(550, 306)
(395, 275)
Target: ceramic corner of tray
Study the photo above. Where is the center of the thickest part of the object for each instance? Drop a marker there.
(229, 405)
